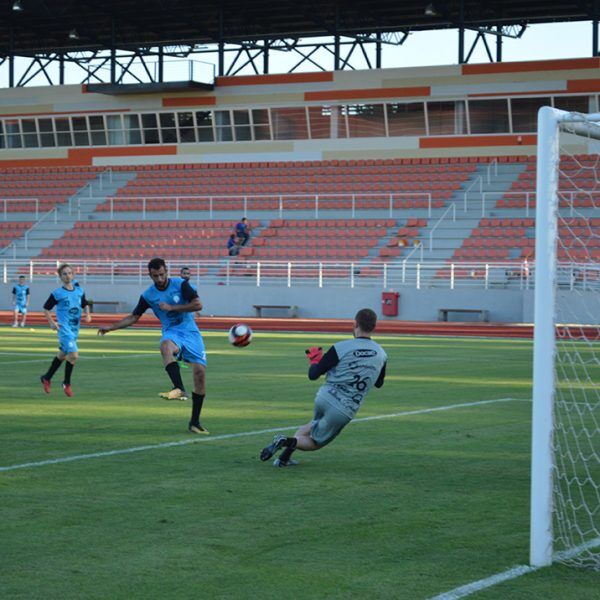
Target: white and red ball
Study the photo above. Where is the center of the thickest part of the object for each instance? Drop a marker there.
(240, 335)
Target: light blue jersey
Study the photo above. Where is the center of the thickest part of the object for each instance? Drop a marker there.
(178, 327)
(69, 304)
(172, 294)
(20, 292)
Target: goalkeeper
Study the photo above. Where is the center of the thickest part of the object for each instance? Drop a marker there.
(353, 367)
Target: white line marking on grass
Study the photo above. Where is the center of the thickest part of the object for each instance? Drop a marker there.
(103, 356)
(482, 584)
(215, 438)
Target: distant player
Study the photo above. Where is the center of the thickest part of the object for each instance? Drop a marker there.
(173, 300)
(353, 367)
(21, 299)
(69, 300)
(185, 273)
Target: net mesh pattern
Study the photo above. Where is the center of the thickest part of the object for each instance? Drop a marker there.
(576, 438)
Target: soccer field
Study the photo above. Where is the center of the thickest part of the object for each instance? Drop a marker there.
(430, 496)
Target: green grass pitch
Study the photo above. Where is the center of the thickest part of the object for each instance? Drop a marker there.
(399, 507)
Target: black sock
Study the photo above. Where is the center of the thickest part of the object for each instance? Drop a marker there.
(68, 370)
(290, 446)
(174, 373)
(53, 368)
(197, 401)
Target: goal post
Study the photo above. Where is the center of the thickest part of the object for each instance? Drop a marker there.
(565, 463)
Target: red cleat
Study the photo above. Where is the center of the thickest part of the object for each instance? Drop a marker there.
(46, 383)
(67, 389)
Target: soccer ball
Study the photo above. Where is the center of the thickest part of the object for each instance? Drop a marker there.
(240, 335)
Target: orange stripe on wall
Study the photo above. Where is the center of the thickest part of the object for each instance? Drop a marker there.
(583, 85)
(190, 101)
(536, 65)
(467, 141)
(82, 157)
(369, 93)
(274, 79)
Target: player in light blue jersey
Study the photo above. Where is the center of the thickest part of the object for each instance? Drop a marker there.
(70, 302)
(21, 298)
(174, 301)
(353, 367)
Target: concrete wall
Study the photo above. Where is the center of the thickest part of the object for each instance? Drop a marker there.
(507, 306)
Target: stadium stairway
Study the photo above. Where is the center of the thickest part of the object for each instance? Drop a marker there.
(79, 207)
(441, 236)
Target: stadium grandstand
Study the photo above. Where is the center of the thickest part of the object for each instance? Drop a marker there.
(416, 180)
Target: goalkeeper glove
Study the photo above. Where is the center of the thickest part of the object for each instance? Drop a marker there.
(314, 354)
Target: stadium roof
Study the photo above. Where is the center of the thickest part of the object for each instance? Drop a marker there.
(28, 27)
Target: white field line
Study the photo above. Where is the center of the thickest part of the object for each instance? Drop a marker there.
(513, 573)
(216, 438)
(102, 356)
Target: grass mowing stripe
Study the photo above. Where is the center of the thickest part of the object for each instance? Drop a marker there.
(482, 584)
(65, 459)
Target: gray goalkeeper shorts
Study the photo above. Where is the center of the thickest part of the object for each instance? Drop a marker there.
(328, 420)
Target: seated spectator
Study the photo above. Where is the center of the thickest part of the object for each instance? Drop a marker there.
(233, 245)
(242, 230)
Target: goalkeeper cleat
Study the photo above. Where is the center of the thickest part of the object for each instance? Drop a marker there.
(285, 463)
(174, 394)
(197, 428)
(274, 446)
(46, 383)
(67, 389)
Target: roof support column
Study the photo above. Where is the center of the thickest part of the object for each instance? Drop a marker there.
(499, 43)
(336, 39)
(11, 58)
(61, 69)
(221, 44)
(266, 57)
(378, 51)
(113, 51)
(461, 33)
(595, 51)
(161, 63)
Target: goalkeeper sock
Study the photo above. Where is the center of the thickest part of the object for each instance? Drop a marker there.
(290, 446)
(174, 374)
(197, 401)
(68, 370)
(53, 368)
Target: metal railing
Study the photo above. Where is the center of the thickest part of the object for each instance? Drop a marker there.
(568, 196)
(89, 186)
(347, 274)
(247, 203)
(6, 201)
(452, 208)
(477, 180)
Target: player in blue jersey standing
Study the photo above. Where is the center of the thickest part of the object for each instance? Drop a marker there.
(70, 301)
(174, 301)
(20, 293)
(352, 367)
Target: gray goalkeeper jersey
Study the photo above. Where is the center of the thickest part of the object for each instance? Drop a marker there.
(359, 366)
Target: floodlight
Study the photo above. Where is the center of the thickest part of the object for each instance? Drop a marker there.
(431, 10)
(73, 35)
(17, 6)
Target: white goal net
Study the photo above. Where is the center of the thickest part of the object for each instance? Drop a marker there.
(565, 509)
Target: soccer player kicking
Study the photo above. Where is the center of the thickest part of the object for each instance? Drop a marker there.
(353, 367)
(21, 298)
(173, 301)
(69, 300)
